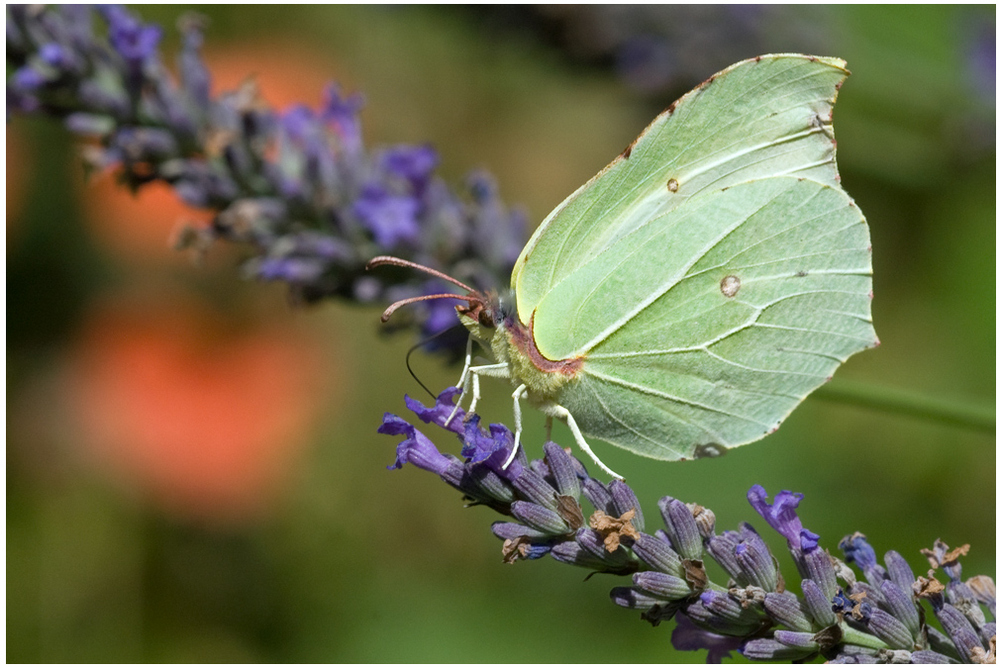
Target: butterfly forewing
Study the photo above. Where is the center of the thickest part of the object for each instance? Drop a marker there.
(759, 118)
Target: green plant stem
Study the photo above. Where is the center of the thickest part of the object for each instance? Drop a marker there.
(968, 415)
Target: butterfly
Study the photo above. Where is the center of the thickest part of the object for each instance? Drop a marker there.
(690, 295)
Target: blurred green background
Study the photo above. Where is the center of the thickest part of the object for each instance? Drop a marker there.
(193, 472)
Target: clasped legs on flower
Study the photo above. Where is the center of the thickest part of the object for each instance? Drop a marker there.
(839, 617)
(470, 380)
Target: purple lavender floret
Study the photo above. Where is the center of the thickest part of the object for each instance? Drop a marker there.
(230, 152)
(135, 42)
(687, 636)
(812, 562)
(342, 114)
(416, 448)
(781, 514)
(442, 411)
(491, 447)
(838, 617)
(415, 164)
(392, 219)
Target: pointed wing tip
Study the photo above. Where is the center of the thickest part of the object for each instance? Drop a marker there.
(832, 61)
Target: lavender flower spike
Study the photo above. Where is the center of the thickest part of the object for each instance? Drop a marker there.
(334, 203)
(755, 611)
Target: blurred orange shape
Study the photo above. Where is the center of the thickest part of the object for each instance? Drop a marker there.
(204, 420)
(286, 73)
(142, 226)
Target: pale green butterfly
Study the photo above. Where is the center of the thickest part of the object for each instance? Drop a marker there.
(683, 301)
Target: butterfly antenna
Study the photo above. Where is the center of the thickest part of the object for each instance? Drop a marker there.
(400, 262)
(386, 314)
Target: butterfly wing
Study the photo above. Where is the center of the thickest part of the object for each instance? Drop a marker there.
(763, 117)
(714, 274)
(686, 359)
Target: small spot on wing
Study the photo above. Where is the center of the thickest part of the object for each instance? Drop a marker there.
(730, 285)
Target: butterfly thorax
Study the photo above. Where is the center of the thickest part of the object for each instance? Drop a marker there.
(494, 323)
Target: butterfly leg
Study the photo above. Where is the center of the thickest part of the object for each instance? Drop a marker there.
(491, 370)
(467, 365)
(462, 380)
(521, 390)
(475, 392)
(548, 427)
(563, 414)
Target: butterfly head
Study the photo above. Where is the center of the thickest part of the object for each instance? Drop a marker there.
(488, 309)
(485, 313)
(482, 312)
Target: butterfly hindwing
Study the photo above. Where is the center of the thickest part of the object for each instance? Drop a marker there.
(773, 295)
